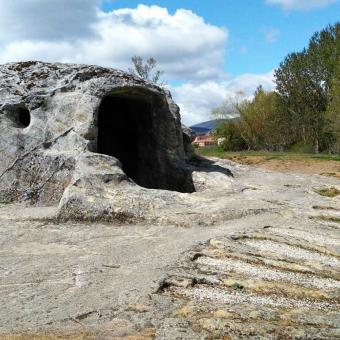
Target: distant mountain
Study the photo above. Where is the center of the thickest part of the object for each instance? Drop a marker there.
(205, 127)
(199, 130)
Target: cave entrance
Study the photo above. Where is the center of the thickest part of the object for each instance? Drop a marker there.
(137, 127)
(20, 116)
(124, 126)
(24, 117)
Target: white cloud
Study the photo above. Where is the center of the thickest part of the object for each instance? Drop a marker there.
(248, 82)
(301, 4)
(271, 34)
(198, 100)
(46, 19)
(185, 46)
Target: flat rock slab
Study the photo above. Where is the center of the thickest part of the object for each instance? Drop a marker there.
(264, 273)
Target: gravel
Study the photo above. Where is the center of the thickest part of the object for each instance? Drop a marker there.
(292, 252)
(235, 297)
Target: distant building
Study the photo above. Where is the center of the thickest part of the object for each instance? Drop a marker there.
(204, 140)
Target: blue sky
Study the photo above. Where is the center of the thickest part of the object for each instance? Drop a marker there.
(249, 23)
(210, 50)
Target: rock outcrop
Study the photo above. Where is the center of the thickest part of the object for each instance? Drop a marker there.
(91, 139)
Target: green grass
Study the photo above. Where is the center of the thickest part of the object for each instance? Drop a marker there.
(328, 192)
(215, 151)
(327, 157)
(237, 286)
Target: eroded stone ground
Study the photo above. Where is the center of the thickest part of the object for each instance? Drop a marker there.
(270, 272)
(269, 283)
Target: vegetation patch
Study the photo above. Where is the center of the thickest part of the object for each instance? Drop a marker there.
(326, 218)
(328, 192)
(237, 286)
(215, 151)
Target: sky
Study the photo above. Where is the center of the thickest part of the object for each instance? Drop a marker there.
(210, 50)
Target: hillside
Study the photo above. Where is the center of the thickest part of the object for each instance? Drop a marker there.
(205, 127)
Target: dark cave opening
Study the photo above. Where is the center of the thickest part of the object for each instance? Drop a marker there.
(124, 127)
(19, 115)
(134, 127)
(24, 117)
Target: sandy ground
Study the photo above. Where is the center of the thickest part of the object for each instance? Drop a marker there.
(304, 166)
(269, 269)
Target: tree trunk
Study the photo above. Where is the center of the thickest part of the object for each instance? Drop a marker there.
(317, 145)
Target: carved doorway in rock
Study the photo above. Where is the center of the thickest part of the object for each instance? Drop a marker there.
(137, 127)
(123, 124)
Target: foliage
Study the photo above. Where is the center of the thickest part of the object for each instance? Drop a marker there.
(147, 70)
(256, 120)
(237, 286)
(332, 126)
(232, 134)
(302, 147)
(253, 129)
(303, 114)
(304, 81)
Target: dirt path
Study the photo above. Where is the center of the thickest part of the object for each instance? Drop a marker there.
(259, 273)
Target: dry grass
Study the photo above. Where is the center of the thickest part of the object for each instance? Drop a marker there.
(322, 164)
(324, 207)
(326, 218)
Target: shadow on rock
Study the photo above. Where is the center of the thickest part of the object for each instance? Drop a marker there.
(202, 164)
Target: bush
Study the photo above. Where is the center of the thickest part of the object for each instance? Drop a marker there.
(234, 141)
(301, 147)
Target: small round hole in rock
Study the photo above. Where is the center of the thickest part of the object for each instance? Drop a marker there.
(23, 118)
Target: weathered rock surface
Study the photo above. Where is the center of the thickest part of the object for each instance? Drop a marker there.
(259, 273)
(71, 133)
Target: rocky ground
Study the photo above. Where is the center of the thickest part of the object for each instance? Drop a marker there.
(262, 261)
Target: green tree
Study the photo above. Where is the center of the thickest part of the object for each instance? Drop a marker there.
(256, 127)
(257, 123)
(303, 82)
(324, 52)
(332, 127)
(230, 131)
(303, 112)
(147, 70)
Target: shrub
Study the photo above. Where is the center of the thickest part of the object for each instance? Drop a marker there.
(234, 141)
